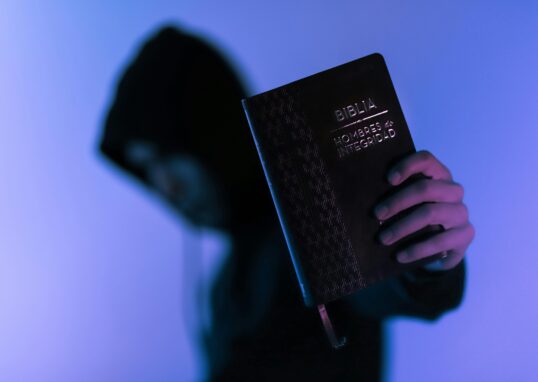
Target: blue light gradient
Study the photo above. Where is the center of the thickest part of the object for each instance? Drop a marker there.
(93, 268)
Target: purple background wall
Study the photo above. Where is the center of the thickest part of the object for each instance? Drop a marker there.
(91, 267)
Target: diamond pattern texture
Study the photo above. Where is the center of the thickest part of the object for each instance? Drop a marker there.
(298, 177)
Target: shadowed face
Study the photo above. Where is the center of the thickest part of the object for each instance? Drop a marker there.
(183, 181)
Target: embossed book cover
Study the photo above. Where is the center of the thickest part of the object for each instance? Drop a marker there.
(326, 143)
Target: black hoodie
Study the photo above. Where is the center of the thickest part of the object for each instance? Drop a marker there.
(180, 94)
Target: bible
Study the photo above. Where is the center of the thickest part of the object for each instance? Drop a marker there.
(326, 143)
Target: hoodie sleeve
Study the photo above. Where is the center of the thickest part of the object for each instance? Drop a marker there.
(419, 293)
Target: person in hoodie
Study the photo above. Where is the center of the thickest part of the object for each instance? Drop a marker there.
(176, 124)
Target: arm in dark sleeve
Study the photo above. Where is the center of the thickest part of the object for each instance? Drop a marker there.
(418, 293)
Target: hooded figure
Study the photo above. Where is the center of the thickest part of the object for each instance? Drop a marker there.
(177, 125)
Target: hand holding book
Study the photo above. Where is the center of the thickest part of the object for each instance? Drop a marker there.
(326, 143)
(441, 202)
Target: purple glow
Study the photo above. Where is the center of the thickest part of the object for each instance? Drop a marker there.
(92, 267)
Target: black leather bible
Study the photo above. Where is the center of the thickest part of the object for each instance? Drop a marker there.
(326, 143)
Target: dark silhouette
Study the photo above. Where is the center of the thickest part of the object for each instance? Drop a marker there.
(177, 125)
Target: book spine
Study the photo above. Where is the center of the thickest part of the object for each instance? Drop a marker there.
(304, 286)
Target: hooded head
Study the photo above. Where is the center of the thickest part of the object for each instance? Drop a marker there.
(177, 125)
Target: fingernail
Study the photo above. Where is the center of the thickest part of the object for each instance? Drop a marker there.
(402, 256)
(394, 177)
(385, 236)
(380, 211)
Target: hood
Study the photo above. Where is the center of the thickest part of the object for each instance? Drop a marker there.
(180, 94)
